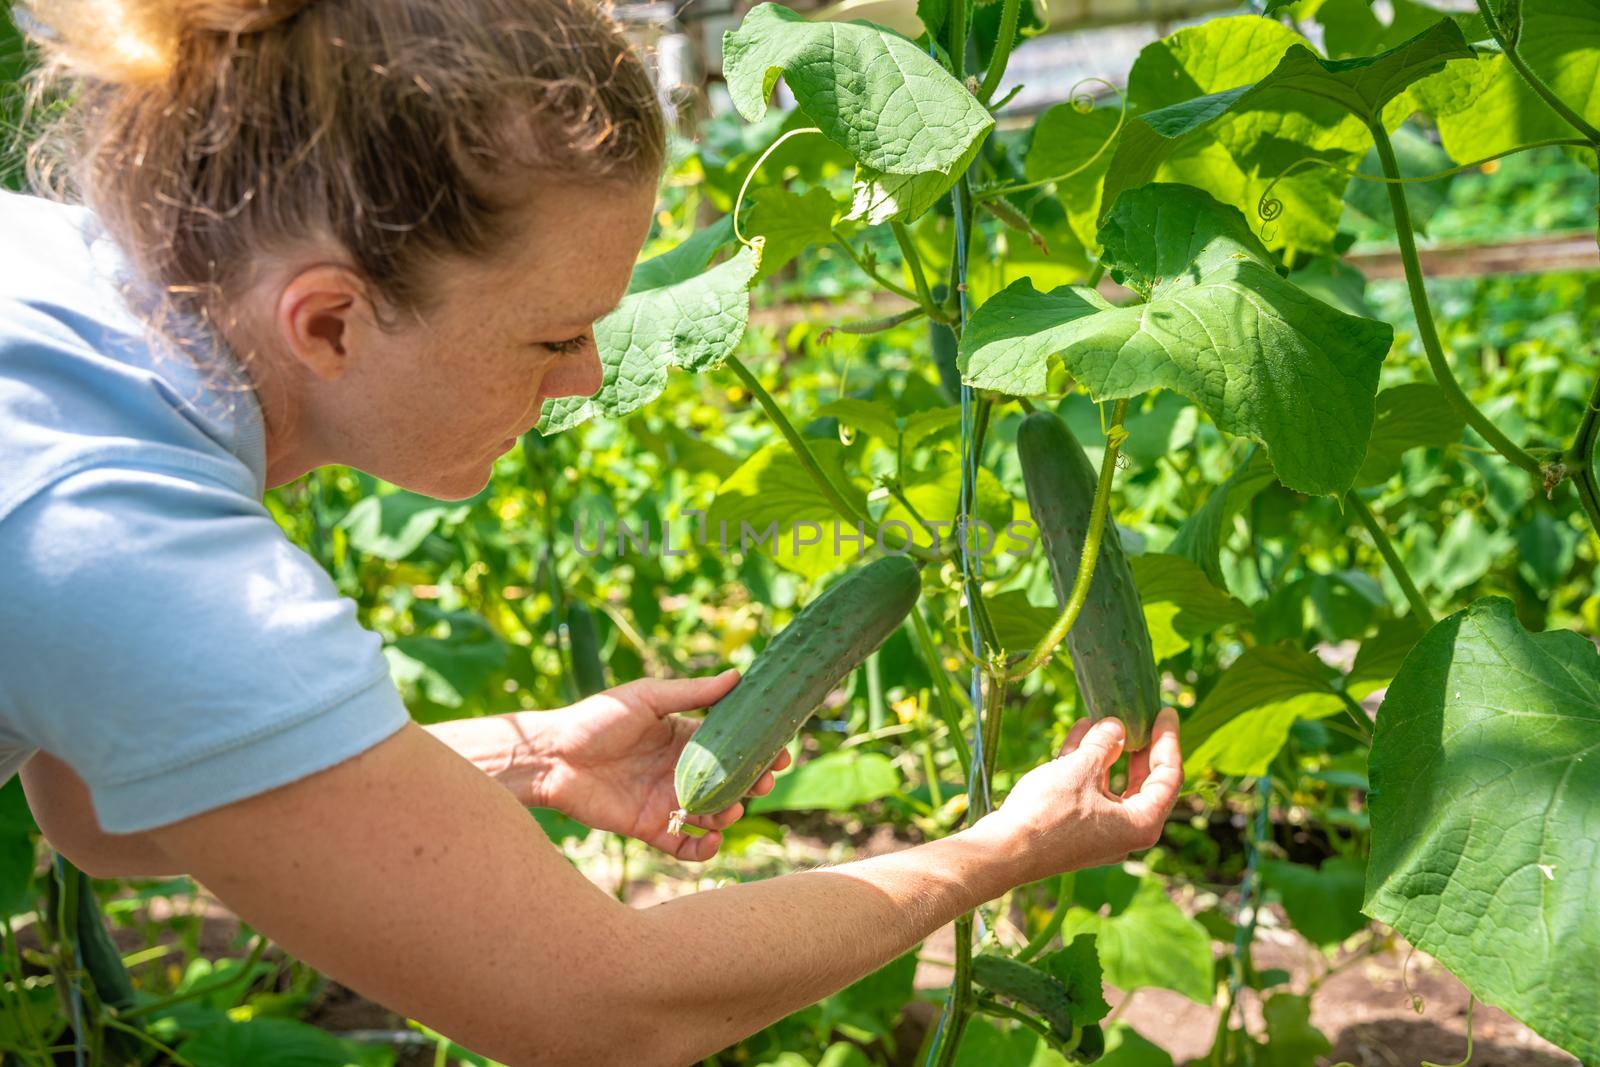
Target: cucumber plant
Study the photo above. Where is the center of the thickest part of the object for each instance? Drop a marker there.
(1179, 251)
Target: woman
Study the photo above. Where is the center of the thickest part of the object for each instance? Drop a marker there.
(378, 234)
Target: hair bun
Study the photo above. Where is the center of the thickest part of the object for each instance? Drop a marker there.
(133, 42)
(237, 16)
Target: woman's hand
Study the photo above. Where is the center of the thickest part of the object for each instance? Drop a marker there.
(612, 757)
(1063, 816)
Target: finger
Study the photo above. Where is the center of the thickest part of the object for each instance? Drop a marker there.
(783, 760)
(1075, 735)
(1138, 771)
(1159, 790)
(763, 785)
(667, 696)
(718, 820)
(1100, 747)
(697, 849)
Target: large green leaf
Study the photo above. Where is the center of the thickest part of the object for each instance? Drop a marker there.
(1482, 106)
(676, 312)
(1324, 903)
(1180, 603)
(1144, 938)
(1066, 140)
(771, 505)
(17, 834)
(789, 223)
(1262, 358)
(1203, 533)
(1244, 720)
(886, 101)
(1486, 816)
(1413, 415)
(1304, 107)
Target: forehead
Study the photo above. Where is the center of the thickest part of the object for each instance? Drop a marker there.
(572, 251)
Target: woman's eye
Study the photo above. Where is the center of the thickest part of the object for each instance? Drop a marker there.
(572, 346)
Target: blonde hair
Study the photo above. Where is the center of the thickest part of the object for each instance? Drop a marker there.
(206, 134)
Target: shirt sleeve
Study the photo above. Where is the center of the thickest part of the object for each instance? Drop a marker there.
(161, 636)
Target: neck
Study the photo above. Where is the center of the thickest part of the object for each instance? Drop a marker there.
(291, 441)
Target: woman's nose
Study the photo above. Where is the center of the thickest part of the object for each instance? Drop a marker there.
(575, 378)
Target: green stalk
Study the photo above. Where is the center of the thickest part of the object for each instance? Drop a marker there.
(809, 461)
(990, 1006)
(958, 38)
(876, 711)
(1579, 459)
(871, 326)
(919, 278)
(949, 709)
(1052, 925)
(1426, 329)
(1002, 50)
(1385, 547)
(1091, 554)
(960, 1007)
(870, 272)
(1536, 83)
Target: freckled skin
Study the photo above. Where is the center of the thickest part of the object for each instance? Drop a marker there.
(430, 404)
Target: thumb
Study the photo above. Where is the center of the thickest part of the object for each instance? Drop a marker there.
(1101, 746)
(667, 696)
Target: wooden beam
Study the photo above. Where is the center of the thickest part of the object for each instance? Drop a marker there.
(1575, 250)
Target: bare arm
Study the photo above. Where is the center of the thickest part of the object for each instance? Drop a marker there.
(413, 878)
(60, 804)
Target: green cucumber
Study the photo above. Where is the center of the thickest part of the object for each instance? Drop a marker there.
(744, 731)
(1017, 981)
(588, 670)
(86, 926)
(1110, 642)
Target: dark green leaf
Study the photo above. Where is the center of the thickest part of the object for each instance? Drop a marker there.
(1485, 802)
(1244, 720)
(1260, 357)
(677, 312)
(1324, 903)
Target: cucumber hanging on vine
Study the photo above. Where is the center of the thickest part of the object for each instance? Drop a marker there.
(744, 731)
(583, 637)
(1110, 642)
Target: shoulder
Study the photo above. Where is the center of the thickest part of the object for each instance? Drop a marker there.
(82, 382)
(169, 643)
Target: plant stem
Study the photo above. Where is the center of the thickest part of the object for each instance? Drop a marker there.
(1426, 329)
(949, 709)
(1385, 547)
(1536, 83)
(990, 1006)
(808, 460)
(919, 278)
(869, 326)
(1003, 44)
(959, 1008)
(1091, 554)
(1052, 925)
(1580, 459)
(958, 38)
(870, 272)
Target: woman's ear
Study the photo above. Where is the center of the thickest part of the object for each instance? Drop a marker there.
(317, 314)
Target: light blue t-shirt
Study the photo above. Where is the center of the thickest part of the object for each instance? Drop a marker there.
(158, 632)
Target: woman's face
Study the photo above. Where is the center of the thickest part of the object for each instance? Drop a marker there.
(430, 405)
